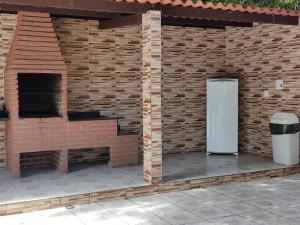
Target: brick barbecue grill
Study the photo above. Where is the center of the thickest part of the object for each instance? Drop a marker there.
(36, 99)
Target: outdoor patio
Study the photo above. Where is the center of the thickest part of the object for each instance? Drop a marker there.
(44, 184)
(88, 178)
(126, 82)
(251, 203)
(199, 165)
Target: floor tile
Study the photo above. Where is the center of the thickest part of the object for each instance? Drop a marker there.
(60, 216)
(243, 195)
(265, 218)
(287, 212)
(95, 214)
(204, 206)
(230, 188)
(211, 212)
(238, 207)
(94, 178)
(182, 218)
(232, 220)
(196, 165)
(150, 201)
(118, 204)
(19, 219)
(143, 219)
(190, 204)
(174, 196)
(265, 203)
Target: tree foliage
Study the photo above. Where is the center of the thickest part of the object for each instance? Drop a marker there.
(276, 4)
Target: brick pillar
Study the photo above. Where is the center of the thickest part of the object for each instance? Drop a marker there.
(152, 124)
(13, 165)
(60, 160)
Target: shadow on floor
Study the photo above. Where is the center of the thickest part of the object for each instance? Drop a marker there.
(73, 167)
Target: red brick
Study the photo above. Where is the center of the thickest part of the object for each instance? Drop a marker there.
(34, 18)
(35, 135)
(34, 14)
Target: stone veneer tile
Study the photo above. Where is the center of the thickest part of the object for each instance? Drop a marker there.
(29, 206)
(190, 56)
(76, 199)
(8, 24)
(175, 185)
(258, 56)
(104, 69)
(107, 76)
(151, 83)
(54, 203)
(100, 196)
(140, 191)
(3, 210)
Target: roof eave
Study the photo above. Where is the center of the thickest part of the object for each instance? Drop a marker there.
(113, 9)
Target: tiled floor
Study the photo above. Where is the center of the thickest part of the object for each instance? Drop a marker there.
(49, 184)
(269, 202)
(196, 165)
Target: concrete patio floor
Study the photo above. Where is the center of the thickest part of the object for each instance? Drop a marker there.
(270, 201)
(199, 165)
(42, 184)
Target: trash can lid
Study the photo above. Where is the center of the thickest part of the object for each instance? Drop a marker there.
(284, 118)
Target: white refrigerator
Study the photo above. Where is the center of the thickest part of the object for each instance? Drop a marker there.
(222, 116)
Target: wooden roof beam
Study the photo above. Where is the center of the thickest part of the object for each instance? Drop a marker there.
(74, 7)
(121, 22)
(171, 21)
(215, 24)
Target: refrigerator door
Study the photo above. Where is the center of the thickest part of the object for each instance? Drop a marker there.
(222, 116)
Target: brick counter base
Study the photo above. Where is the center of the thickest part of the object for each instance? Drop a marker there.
(50, 203)
(57, 136)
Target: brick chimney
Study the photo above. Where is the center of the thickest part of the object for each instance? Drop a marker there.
(35, 82)
(34, 50)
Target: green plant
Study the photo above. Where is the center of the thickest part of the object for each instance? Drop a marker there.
(276, 4)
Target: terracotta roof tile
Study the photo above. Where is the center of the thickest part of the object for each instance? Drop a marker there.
(177, 2)
(218, 6)
(198, 4)
(166, 2)
(188, 3)
(249, 9)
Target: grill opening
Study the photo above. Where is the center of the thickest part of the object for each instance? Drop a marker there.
(39, 95)
(32, 163)
(85, 158)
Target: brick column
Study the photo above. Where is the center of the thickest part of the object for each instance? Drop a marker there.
(152, 124)
(60, 160)
(13, 164)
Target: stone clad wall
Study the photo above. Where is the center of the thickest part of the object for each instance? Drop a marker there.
(152, 94)
(7, 26)
(258, 56)
(104, 69)
(104, 73)
(107, 63)
(190, 56)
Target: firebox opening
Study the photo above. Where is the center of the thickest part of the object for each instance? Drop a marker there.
(39, 95)
(85, 158)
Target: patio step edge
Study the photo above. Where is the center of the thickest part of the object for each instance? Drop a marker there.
(177, 185)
